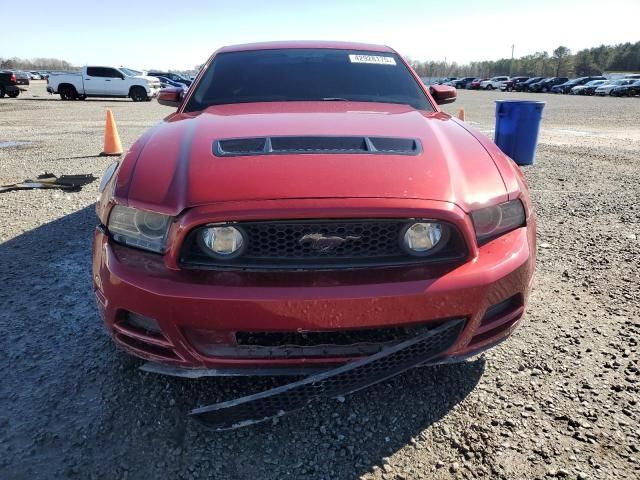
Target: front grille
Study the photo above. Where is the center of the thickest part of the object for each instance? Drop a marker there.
(322, 244)
(343, 380)
(234, 147)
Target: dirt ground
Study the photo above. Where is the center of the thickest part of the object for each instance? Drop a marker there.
(557, 400)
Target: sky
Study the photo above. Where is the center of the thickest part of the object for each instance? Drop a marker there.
(181, 34)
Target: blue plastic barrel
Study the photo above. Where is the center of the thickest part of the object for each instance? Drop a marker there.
(517, 127)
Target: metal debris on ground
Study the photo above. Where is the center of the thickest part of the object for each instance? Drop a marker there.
(335, 383)
(68, 183)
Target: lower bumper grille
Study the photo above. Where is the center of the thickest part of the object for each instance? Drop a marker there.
(314, 344)
(341, 381)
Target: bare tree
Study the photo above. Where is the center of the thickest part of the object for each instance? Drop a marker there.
(560, 55)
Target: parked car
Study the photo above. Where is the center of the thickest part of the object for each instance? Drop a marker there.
(463, 82)
(524, 86)
(547, 84)
(630, 90)
(606, 88)
(255, 228)
(588, 88)
(95, 81)
(166, 82)
(171, 76)
(569, 84)
(475, 84)
(8, 84)
(510, 84)
(23, 80)
(493, 83)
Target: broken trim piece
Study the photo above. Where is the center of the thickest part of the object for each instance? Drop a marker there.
(337, 382)
(68, 183)
(153, 367)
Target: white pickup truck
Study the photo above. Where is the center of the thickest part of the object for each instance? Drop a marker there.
(103, 82)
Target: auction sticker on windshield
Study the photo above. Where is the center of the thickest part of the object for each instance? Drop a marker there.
(377, 59)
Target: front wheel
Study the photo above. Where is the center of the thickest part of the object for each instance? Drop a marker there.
(138, 94)
(489, 87)
(2, 91)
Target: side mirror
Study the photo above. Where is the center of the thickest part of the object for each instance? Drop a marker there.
(443, 94)
(170, 96)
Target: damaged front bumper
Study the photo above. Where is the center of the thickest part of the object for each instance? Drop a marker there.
(337, 382)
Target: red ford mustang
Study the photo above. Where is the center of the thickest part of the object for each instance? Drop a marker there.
(307, 205)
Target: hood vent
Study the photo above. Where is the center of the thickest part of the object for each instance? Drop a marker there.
(319, 145)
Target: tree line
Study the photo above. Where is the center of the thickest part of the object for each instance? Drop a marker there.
(562, 62)
(34, 64)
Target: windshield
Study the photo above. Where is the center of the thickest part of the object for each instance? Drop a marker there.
(595, 82)
(284, 75)
(130, 72)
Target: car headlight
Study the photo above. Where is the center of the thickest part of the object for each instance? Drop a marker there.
(222, 241)
(424, 238)
(107, 175)
(491, 222)
(139, 228)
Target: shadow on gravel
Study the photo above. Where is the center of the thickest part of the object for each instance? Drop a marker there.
(72, 405)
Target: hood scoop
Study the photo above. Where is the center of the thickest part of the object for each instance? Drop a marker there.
(235, 147)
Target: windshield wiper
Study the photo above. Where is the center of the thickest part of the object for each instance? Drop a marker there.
(334, 99)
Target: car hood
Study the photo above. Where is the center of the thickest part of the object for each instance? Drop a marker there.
(176, 168)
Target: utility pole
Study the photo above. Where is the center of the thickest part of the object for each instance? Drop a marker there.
(511, 64)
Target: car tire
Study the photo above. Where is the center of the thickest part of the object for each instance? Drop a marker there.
(544, 90)
(67, 92)
(1, 91)
(14, 94)
(138, 94)
(489, 87)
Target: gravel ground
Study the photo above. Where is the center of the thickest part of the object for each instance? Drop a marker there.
(557, 400)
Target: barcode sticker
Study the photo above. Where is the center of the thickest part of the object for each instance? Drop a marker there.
(376, 59)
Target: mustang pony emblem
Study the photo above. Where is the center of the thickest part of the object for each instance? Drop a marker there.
(323, 244)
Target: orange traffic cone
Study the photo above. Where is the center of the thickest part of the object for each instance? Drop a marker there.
(112, 145)
(461, 114)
